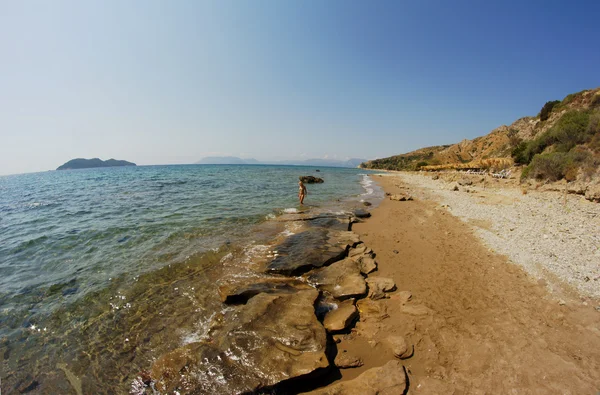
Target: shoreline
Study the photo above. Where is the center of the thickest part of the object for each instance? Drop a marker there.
(486, 326)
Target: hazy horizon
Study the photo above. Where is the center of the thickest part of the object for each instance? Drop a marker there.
(171, 83)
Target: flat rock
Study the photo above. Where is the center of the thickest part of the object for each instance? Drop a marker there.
(389, 379)
(400, 348)
(340, 318)
(346, 360)
(378, 286)
(342, 279)
(314, 247)
(240, 292)
(273, 338)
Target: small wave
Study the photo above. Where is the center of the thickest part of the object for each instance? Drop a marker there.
(270, 216)
(290, 210)
(366, 183)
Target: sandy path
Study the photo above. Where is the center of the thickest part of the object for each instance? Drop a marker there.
(490, 329)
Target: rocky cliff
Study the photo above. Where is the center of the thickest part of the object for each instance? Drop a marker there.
(502, 141)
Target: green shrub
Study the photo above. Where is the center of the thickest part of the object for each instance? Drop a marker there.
(555, 166)
(595, 100)
(518, 153)
(421, 164)
(547, 109)
(571, 129)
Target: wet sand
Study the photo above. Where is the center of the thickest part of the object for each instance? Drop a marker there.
(484, 326)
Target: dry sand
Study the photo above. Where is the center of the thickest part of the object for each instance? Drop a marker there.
(479, 323)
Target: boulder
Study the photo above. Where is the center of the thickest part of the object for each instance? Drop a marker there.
(378, 286)
(455, 188)
(389, 379)
(340, 318)
(400, 348)
(345, 360)
(311, 180)
(273, 338)
(361, 213)
(593, 193)
(240, 293)
(401, 198)
(465, 181)
(342, 280)
(367, 203)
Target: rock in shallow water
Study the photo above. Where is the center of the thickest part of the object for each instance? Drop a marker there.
(240, 293)
(345, 360)
(389, 379)
(323, 243)
(274, 337)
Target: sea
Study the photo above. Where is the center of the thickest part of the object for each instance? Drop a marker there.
(102, 270)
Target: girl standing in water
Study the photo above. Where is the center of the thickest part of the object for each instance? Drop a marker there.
(302, 191)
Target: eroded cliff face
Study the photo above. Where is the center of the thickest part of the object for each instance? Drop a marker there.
(499, 143)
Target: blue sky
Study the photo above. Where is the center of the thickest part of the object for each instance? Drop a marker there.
(159, 82)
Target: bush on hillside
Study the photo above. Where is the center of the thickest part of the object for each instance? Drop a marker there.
(547, 109)
(571, 129)
(555, 166)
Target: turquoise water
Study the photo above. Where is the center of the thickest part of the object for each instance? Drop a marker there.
(88, 257)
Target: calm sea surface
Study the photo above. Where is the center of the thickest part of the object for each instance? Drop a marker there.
(77, 246)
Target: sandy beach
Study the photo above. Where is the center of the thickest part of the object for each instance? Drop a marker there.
(486, 313)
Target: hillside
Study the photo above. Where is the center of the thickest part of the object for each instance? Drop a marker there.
(563, 140)
(81, 163)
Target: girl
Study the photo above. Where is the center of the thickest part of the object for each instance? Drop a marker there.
(302, 192)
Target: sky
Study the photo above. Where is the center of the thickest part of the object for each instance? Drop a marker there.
(158, 82)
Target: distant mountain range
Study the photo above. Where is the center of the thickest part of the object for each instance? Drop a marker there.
(81, 163)
(233, 160)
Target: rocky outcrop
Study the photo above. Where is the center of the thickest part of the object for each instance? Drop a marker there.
(311, 180)
(341, 280)
(274, 337)
(389, 379)
(340, 318)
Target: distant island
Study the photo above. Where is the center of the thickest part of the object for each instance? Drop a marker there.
(233, 160)
(81, 163)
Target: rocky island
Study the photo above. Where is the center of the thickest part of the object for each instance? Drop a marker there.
(81, 163)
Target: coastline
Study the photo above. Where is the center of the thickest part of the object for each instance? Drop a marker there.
(478, 322)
